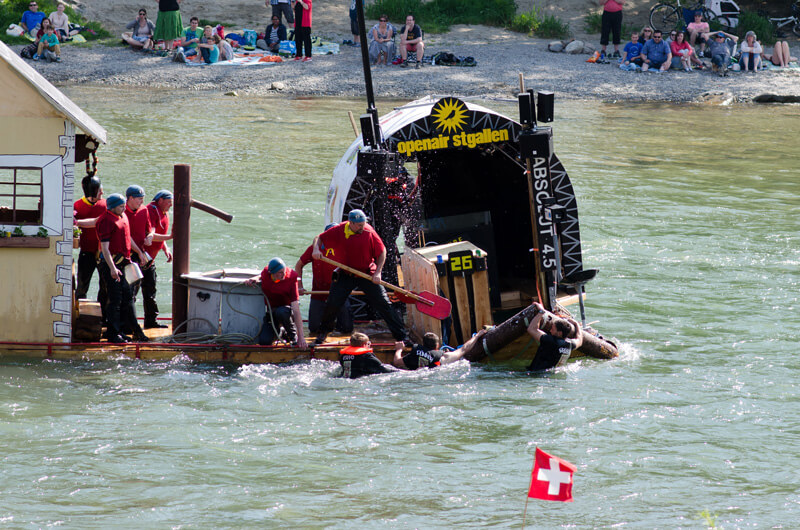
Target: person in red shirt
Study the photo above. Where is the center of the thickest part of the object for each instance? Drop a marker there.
(86, 210)
(356, 244)
(159, 220)
(279, 285)
(322, 276)
(114, 233)
(141, 231)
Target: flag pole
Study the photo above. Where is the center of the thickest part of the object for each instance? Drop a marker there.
(527, 495)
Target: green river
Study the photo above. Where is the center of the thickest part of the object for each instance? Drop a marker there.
(692, 215)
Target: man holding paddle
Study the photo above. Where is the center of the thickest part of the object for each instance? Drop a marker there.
(357, 246)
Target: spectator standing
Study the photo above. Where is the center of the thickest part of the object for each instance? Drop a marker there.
(411, 41)
(751, 53)
(611, 22)
(60, 21)
(281, 8)
(142, 34)
(32, 18)
(354, 24)
(302, 29)
(381, 41)
(696, 30)
(168, 24)
(656, 54)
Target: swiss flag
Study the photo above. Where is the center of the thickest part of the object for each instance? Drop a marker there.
(551, 479)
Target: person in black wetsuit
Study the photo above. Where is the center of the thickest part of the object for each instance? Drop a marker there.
(358, 360)
(428, 354)
(556, 341)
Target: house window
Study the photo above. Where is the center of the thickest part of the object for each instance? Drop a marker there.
(21, 196)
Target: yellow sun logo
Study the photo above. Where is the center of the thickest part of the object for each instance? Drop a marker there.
(449, 115)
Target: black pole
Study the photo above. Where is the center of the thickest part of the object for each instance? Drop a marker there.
(371, 109)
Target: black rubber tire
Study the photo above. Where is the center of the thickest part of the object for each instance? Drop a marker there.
(664, 17)
(796, 29)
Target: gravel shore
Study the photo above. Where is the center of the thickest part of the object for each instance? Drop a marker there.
(501, 56)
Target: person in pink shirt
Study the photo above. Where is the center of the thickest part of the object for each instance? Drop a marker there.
(611, 22)
(683, 54)
(695, 30)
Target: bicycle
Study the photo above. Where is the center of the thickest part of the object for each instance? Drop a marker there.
(668, 16)
(783, 22)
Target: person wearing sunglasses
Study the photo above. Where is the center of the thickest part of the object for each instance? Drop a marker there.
(32, 19)
(720, 45)
(381, 42)
(141, 36)
(645, 35)
(656, 54)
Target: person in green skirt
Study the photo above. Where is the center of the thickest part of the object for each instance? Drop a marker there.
(168, 25)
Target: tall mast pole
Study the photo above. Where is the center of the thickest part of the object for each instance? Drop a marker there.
(371, 109)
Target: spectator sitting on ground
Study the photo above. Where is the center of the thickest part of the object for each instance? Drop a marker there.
(656, 54)
(43, 29)
(780, 55)
(411, 41)
(48, 45)
(225, 48)
(208, 48)
(60, 22)
(275, 33)
(631, 54)
(696, 30)
(682, 53)
(645, 35)
(719, 48)
(142, 34)
(32, 19)
(671, 37)
(751, 53)
(191, 37)
(381, 41)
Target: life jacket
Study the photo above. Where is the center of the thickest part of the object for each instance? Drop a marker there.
(355, 350)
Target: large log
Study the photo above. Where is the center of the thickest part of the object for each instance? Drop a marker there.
(504, 334)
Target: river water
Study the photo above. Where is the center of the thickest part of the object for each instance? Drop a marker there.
(691, 215)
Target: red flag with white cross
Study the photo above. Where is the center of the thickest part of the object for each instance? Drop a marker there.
(551, 479)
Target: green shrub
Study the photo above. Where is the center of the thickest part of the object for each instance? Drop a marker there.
(751, 21)
(552, 27)
(592, 22)
(11, 13)
(436, 16)
(525, 22)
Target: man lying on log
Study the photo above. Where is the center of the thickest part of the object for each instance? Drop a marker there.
(556, 341)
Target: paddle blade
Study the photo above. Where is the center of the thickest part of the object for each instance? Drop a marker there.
(440, 308)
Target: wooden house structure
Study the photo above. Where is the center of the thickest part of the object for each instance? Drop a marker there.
(42, 136)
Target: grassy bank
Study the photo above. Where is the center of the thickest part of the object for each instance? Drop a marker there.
(11, 12)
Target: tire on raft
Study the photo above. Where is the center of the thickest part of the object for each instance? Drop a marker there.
(504, 334)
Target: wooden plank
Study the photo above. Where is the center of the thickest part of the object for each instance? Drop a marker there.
(462, 302)
(420, 275)
(483, 305)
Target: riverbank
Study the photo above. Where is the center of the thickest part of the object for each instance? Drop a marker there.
(501, 55)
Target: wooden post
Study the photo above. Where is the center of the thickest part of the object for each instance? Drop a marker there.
(181, 242)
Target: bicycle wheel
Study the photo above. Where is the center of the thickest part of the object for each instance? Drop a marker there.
(664, 17)
(715, 22)
(796, 28)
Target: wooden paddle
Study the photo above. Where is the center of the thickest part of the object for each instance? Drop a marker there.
(428, 303)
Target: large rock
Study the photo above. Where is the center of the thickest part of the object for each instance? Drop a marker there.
(776, 98)
(556, 46)
(589, 49)
(575, 47)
